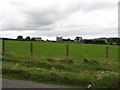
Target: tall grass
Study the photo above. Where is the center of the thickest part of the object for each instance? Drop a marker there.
(60, 71)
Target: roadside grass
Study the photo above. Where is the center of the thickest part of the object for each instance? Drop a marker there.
(60, 63)
(58, 71)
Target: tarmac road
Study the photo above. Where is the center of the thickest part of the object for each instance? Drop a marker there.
(6, 83)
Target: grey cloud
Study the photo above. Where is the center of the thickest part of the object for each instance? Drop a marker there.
(72, 18)
(94, 6)
(47, 16)
(91, 32)
(37, 17)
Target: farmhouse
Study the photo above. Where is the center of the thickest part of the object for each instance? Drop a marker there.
(59, 39)
(77, 39)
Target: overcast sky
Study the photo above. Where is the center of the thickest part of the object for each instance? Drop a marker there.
(51, 18)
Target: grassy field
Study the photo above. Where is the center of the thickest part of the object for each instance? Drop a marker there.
(50, 64)
(51, 50)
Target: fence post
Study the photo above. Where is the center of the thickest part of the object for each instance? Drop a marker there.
(31, 49)
(107, 55)
(3, 47)
(67, 52)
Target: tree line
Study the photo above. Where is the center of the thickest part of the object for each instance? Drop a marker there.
(110, 41)
(26, 39)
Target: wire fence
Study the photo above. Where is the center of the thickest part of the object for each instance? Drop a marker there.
(31, 51)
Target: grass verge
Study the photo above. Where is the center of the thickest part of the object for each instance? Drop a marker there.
(74, 73)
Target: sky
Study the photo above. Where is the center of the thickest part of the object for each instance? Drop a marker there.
(66, 18)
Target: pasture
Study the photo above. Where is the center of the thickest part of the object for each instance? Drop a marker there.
(55, 49)
(50, 64)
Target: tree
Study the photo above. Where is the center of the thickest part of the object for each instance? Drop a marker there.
(88, 41)
(47, 40)
(27, 38)
(113, 40)
(33, 39)
(20, 37)
(99, 41)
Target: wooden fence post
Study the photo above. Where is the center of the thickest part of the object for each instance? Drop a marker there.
(67, 52)
(31, 49)
(107, 55)
(3, 47)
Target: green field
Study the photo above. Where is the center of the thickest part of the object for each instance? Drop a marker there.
(52, 49)
(50, 64)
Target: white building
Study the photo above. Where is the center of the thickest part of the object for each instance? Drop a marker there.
(59, 38)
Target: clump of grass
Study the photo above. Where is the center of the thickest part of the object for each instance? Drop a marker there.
(107, 82)
(101, 74)
(67, 61)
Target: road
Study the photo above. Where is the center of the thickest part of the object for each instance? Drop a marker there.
(6, 83)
